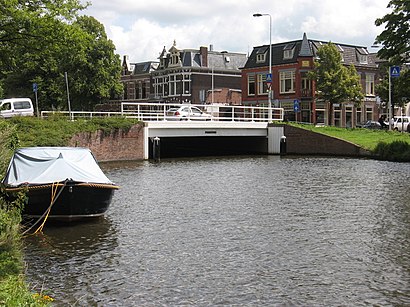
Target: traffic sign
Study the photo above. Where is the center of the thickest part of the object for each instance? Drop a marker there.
(395, 71)
(35, 87)
(296, 106)
(268, 78)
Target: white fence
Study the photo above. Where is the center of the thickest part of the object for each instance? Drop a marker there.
(158, 112)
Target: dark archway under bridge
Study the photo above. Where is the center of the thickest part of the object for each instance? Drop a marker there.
(203, 146)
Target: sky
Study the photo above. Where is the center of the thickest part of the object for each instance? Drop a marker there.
(140, 29)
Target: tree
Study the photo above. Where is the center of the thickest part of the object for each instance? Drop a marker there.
(335, 83)
(41, 40)
(395, 38)
(94, 69)
(395, 41)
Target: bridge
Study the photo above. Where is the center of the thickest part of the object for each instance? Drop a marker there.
(228, 129)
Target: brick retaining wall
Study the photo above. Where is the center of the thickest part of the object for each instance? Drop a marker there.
(304, 142)
(119, 145)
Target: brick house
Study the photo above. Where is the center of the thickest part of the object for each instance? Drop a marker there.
(291, 61)
(187, 75)
(136, 78)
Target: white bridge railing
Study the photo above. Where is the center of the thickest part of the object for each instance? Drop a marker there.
(158, 112)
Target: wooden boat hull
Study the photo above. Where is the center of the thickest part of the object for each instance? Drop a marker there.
(71, 201)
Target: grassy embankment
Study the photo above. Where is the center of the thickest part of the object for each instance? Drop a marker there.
(21, 132)
(57, 130)
(387, 145)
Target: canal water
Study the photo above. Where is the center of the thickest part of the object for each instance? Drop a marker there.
(236, 231)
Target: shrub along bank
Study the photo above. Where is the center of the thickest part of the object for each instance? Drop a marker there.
(13, 289)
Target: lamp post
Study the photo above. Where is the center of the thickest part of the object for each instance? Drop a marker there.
(389, 114)
(270, 64)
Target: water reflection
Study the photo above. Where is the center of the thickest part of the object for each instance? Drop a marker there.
(264, 231)
(62, 251)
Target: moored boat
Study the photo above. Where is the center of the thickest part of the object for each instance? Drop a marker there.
(62, 182)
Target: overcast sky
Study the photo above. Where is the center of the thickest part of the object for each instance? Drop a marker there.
(141, 28)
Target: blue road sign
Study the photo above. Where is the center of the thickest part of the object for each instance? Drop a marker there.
(268, 78)
(296, 106)
(395, 71)
(34, 87)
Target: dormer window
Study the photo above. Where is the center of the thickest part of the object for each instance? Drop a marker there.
(288, 51)
(341, 51)
(362, 55)
(363, 58)
(261, 58)
(261, 55)
(175, 59)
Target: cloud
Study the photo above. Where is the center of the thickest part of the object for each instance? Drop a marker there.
(141, 29)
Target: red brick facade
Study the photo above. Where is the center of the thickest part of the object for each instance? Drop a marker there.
(119, 145)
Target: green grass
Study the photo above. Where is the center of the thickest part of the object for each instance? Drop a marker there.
(365, 138)
(384, 144)
(57, 130)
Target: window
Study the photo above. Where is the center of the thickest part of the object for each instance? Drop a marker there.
(370, 84)
(262, 86)
(251, 85)
(261, 54)
(349, 116)
(363, 58)
(6, 106)
(287, 81)
(305, 86)
(369, 113)
(288, 51)
(341, 51)
(186, 84)
(160, 87)
(287, 54)
(261, 58)
(336, 115)
(172, 85)
(362, 55)
(202, 96)
(175, 59)
(359, 115)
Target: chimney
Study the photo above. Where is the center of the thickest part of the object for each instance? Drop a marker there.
(204, 56)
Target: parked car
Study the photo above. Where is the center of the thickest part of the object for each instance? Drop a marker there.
(400, 123)
(187, 113)
(372, 124)
(16, 107)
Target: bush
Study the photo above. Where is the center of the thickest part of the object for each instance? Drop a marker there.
(13, 290)
(398, 151)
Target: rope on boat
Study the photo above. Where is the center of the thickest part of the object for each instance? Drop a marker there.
(54, 197)
(58, 184)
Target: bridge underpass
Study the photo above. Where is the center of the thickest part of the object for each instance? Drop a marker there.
(172, 147)
(189, 139)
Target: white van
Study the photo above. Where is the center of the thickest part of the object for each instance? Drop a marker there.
(400, 123)
(16, 107)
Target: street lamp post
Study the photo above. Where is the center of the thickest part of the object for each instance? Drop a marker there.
(389, 114)
(270, 64)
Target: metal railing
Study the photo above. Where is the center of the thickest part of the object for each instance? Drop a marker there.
(158, 112)
(79, 114)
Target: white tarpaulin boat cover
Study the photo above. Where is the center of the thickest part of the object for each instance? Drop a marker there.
(44, 165)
